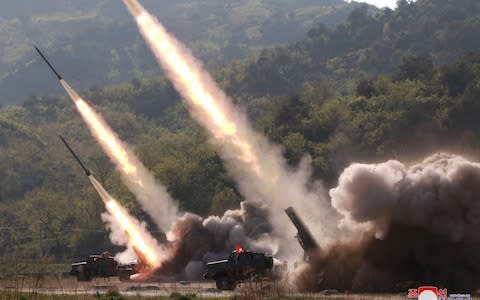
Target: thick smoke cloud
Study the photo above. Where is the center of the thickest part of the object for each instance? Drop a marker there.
(367, 195)
(439, 194)
(196, 241)
(412, 226)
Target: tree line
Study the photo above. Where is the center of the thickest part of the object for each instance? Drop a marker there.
(418, 104)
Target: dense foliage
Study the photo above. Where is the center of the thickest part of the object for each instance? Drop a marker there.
(365, 45)
(97, 42)
(404, 104)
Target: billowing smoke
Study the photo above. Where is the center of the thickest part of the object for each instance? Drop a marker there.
(257, 166)
(153, 196)
(412, 225)
(439, 195)
(196, 241)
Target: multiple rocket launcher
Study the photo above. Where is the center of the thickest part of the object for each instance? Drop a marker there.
(304, 236)
(129, 224)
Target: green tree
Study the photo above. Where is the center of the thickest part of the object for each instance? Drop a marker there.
(416, 68)
(226, 199)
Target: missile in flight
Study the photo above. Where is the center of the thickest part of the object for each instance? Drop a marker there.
(71, 92)
(48, 63)
(87, 172)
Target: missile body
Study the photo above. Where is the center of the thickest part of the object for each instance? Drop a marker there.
(48, 63)
(87, 172)
(71, 92)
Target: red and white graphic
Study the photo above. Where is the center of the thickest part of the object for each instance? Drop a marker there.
(442, 294)
(427, 293)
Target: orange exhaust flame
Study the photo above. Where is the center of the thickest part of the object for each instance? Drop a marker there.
(71, 92)
(107, 138)
(144, 244)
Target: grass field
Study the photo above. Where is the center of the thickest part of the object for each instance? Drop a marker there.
(58, 287)
(115, 295)
(108, 296)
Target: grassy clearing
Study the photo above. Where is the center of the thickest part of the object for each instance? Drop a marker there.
(110, 295)
(56, 287)
(115, 295)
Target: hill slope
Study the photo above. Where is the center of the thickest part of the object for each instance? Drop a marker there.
(48, 208)
(367, 45)
(96, 42)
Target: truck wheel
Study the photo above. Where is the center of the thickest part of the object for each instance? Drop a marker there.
(124, 275)
(226, 284)
(83, 275)
(222, 282)
(232, 285)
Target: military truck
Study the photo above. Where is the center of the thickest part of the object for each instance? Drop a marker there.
(102, 265)
(241, 265)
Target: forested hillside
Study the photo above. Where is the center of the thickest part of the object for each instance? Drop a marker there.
(353, 93)
(365, 45)
(96, 42)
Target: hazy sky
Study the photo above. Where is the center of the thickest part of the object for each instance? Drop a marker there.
(380, 3)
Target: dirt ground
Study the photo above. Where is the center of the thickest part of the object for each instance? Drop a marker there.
(58, 285)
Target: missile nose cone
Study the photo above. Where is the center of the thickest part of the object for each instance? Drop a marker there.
(134, 7)
(48, 63)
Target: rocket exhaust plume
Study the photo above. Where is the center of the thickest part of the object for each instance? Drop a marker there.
(257, 166)
(196, 241)
(120, 222)
(137, 236)
(153, 197)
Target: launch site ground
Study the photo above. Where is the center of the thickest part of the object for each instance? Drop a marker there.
(61, 288)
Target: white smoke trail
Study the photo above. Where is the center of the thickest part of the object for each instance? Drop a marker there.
(258, 167)
(127, 231)
(153, 196)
